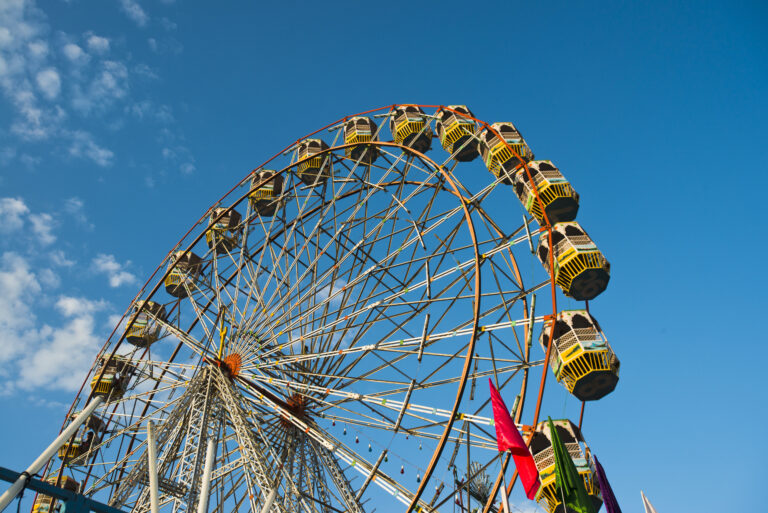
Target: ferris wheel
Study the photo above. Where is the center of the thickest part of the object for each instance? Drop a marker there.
(320, 340)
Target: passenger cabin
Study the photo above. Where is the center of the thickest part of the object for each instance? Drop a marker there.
(581, 357)
(184, 270)
(504, 152)
(265, 197)
(316, 167)
(581, 270)
(143, 328)
(409, 127)
(79, 445)
(224, 231)
(358, 131)
(560, 201)
(457, 132)
(544, 456)
(44, 503)
(113, 382)
(88, 435)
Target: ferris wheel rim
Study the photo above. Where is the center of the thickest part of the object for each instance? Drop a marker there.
(286, 171)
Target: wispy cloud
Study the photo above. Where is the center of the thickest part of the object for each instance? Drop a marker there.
(115, 271)
(108, 85)
(75, 54)
(20, 287)
(12, 212)
(75, 207)
(59, 258)
(97, 44)
(82, 145)
(55, 352)
(49, 82)
(180, 156)
(135, 12)
(146, 109)
(42, 226)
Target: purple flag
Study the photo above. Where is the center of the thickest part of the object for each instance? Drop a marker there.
(611, 505)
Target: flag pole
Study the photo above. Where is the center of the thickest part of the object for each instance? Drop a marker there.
(504, 498)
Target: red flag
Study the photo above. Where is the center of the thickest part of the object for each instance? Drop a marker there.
(508, 438)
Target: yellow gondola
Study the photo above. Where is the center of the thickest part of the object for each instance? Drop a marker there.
(504, 152)
(44, 503)
(183, 274)
(113, 382)
(143, 328)
(544, 456)
(581, 270)
(457, 132)
(224, 229)
(409, 127)
(560, 201)
(581, 357)
(358, 131)
(265, 198)
(316, 167)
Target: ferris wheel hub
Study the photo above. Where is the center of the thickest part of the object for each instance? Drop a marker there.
(230, 364)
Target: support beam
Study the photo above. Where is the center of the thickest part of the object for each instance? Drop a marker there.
(205, 486)
(48, 453)
(152, 470)
(371, 475)
(270, 500)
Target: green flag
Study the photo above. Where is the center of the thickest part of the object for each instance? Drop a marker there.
(568, 482)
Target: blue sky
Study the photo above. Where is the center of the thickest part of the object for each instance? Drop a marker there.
(122, 121)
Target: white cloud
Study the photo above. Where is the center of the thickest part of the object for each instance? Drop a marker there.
(35, 122)
(65, 353)
(75, 54)
(29, 161)
(168, 24)
(38, 48)
(182, 156)
(49, 83)
(110, 84)
(75, 207)
(143, 70)
(134, 12)
(167, 44)
(146, 109)
(12, 211)
(98, 44)
(19, 287)
(42, 226)
(83, 146)
(59, 259)
(106, 264)
(6, 155)
(49, 278)
(75, 306)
